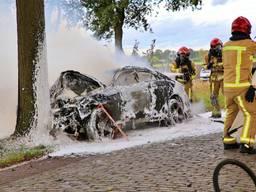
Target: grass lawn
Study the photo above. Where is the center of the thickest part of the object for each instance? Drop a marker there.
(21, 154)
(201, 92)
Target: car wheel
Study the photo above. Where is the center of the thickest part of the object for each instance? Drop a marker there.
(176, 111)
(98, 125)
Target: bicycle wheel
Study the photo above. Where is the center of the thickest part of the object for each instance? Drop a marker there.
(231, 162)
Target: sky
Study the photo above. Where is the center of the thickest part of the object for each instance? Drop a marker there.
(194, 29)
(75, 49)
(171, 30)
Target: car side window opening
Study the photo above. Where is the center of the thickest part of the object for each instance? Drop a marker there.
(145, 76)
(80, 84)
(127, 78)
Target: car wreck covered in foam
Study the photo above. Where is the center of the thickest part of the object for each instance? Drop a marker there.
(135, 95)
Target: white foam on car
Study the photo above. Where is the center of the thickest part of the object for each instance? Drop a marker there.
(198, 125)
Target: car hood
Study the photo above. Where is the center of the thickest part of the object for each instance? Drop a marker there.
(72, 84)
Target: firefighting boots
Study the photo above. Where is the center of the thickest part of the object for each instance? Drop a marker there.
(231, 146)
(244, 148)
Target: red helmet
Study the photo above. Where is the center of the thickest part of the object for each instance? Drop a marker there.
(215, 42)
(184, 50)
(241, 24)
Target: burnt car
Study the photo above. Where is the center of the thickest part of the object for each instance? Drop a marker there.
(135, 95)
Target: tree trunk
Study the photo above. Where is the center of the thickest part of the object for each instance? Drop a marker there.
(118, 27)
(119, 37)
(33, 89)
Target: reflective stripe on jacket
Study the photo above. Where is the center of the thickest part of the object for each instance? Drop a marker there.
(237, 62)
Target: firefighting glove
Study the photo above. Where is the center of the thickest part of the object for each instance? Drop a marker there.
(209, 65)
(184, 70)
(179, 78)
(250, 94)
(186, 76)
(253, 70)
(176, 77)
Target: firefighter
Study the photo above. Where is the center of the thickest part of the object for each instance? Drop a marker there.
(214, 62)
(239, 91)
(187, 69)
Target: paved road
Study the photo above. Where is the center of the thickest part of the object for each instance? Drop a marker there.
(178, 165)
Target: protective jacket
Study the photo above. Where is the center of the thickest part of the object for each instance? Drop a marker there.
(187, 69)
(238, 62)
(216, 66)
(188, 73)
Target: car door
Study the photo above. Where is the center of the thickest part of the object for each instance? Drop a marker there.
(161, 90)
(135, 95)
(158, 94)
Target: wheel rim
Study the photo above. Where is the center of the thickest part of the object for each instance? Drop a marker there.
(103, 124)
(176, 111)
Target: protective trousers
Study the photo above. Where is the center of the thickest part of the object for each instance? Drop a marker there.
(188, 89)
(235, 101)
(215, 87)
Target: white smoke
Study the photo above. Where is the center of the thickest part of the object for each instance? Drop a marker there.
(74, 49)
(8, 72)
(197, 108)
(67, 49)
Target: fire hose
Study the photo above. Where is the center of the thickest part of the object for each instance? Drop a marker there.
(233, 130)
(101, 106)
(231, 162)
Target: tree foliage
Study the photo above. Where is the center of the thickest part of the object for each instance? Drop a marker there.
(106, 18)
(168, 55)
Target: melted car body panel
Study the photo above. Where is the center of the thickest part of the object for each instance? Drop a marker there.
(135, 93)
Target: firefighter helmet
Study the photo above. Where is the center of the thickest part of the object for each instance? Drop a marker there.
(241, 24)
(184, 50)
(215, 42)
